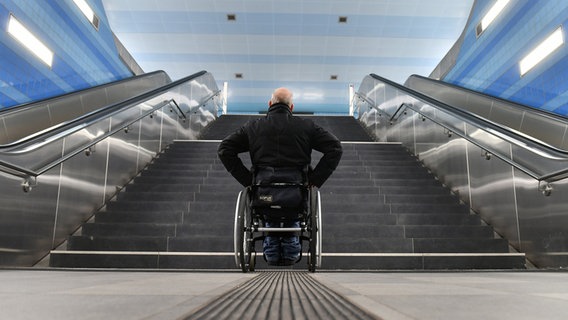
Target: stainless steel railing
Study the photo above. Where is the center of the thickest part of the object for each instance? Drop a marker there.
(72, 169)
(500, 172)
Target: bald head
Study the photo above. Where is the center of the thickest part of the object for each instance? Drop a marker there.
(282, 95)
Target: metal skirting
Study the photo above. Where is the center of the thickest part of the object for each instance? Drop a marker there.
(281, 295)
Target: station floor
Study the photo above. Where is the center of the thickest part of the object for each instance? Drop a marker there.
(62, 295)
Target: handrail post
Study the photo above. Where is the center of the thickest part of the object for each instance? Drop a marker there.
(225, 96)
(397, 113)
(351, 99)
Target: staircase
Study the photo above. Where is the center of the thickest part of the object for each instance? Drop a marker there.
(381, 210)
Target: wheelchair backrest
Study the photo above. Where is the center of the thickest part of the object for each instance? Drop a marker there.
(279, 187)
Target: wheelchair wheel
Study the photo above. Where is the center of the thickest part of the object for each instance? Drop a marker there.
(243, 233)
(314, 254)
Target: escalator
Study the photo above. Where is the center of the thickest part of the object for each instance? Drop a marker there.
(423, 185)
(508, 163)
(381, 210)
(63, 158)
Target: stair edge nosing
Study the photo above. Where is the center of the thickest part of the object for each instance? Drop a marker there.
(331, 254)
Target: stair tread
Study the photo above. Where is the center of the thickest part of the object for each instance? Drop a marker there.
(380, 200)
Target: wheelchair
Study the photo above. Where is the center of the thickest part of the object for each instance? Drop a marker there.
(277, 195)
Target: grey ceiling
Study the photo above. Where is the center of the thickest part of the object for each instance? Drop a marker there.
(295, 43)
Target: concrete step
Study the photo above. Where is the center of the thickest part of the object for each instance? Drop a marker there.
(158, 243)
(382, 210)
(331, 261)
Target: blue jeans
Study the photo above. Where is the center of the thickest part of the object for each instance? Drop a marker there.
(279, 248)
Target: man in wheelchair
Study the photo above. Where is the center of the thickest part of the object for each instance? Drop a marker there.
(280, 199)
(280, 147)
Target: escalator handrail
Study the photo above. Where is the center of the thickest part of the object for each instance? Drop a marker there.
(68, 128)
(541, 112)
(503, 132)
(474, 118)
(102, 112)
(32, 104)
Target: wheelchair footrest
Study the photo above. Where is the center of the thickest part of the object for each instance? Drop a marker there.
(263, 229)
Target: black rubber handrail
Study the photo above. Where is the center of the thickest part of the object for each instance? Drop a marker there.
(80, 123)
(81, 91)
(472, 117)
(544, 113)
(504, 132)
(97, 114)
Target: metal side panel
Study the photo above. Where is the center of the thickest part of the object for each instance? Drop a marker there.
(12, 128)
(36, 158)
(27, 219)
(493, 193)
(202, 116)
(172, 126)
(149, 140)
(92, 100)
(543, 221)
(369, 120)
(65, 110)
(405, 131)
(180, 124)
(84, 136)
(533, 125)
(122, 158)
(448, 161)
(476, 106)
(199, 115)
(82, 190)
(501, 113)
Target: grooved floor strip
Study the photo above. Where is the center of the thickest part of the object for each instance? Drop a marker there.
(281, 295)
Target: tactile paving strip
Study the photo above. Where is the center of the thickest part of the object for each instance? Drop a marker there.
(281, 295)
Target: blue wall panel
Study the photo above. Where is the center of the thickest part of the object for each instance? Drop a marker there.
(490, 63)
(83, 55)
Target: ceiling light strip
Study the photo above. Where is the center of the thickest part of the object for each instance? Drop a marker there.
(543, 50)
(30, 41)
(88, 12)
(491, 15)
(86, 9)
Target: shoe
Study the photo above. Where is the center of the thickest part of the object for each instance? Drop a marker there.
(273, 263)
(270, 261)
(288, 262)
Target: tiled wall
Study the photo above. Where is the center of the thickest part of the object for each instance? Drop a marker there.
(490, 63)
(83, 56)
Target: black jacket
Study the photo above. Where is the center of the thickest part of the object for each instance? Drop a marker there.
(281, 140)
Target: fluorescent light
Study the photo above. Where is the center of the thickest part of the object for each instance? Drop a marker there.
(31, 42)
(312, 96)
(543, 50)
(86, 9)
(491, 15)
